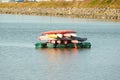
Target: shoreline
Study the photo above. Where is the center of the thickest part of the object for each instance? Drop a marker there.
(90, 13)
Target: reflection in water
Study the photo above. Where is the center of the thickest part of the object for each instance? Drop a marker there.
(58, 54)
(60, 51)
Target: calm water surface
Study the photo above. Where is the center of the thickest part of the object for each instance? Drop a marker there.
(19, 60)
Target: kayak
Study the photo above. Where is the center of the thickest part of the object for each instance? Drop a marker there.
(52, 35)
(61, 39)
(70, 45)
(59, 32)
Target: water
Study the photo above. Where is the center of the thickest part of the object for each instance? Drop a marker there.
(19, 60)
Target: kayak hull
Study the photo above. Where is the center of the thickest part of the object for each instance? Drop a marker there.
(59, 32)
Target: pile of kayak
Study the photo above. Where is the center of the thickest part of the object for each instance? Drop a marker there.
(61, 39)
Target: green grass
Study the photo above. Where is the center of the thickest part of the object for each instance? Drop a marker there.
(94, 2)
(105, 3)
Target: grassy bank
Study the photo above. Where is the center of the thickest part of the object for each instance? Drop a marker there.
(49, 4)
(94, 9)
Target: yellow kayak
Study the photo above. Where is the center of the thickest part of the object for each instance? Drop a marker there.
(51, 35)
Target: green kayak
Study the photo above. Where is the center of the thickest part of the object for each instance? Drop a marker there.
(70, 45)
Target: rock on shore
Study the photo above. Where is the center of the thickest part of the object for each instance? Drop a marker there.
(94, 13)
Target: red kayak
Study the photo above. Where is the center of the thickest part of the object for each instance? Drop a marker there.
(59, 32)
